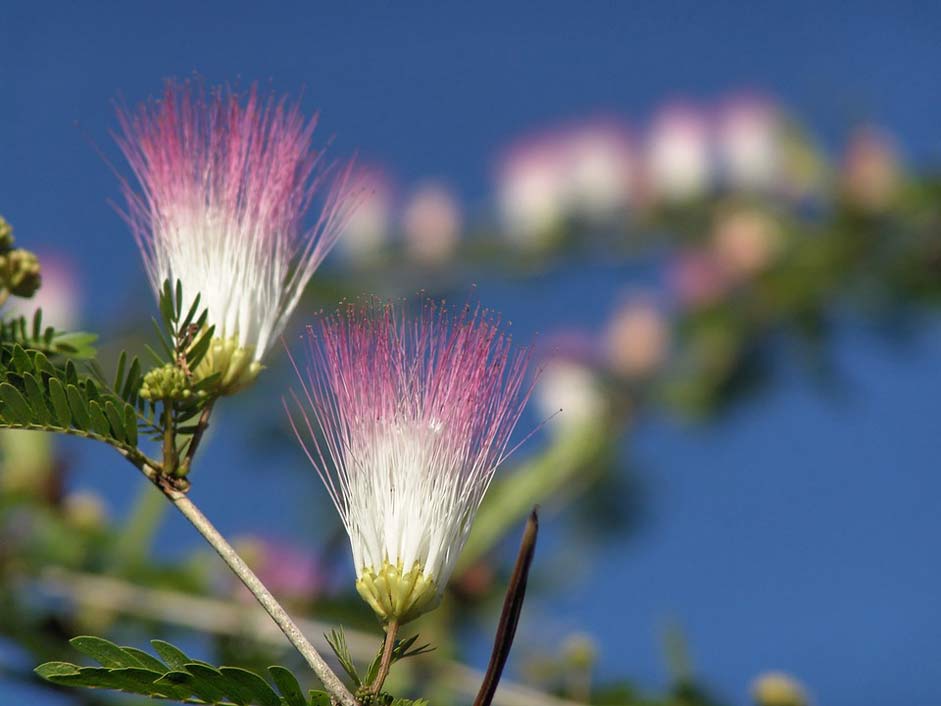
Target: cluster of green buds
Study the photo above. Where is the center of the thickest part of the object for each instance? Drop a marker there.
(19, 269)
(168, 383)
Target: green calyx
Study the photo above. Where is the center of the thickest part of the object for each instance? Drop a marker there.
(395, 594)
(235, 364)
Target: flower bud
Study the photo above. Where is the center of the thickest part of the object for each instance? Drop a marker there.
(6, 235)
(778, 689)
(580, 651)
(746, 242)
(637, 339)
(872, 173)
(166, 383)
(85, 511)
(21, 272)
(432, 224)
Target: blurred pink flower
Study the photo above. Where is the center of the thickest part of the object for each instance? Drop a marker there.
(432, 223)
(531, 186)
(745, 241)
(569, 393)
(696, 278)
(368, 228)
(599, 169)
(637, 338)
(678, 165)
(748, 143)
(59, 296)
(585, 170)
(290, 573)
(574, 345)
(871, 169)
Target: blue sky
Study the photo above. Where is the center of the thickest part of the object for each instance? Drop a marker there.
(799, 534)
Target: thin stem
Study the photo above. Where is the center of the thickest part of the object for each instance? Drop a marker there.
(169, 439)
(192, 513)
(197, 437)
(392, 627)
(174, 490)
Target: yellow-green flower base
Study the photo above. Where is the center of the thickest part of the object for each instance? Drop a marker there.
(398, 595)
(236, 365)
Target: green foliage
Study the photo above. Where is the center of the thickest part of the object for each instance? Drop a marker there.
(403, 648)
(36, 394)
(31, 334)
(175, 677)
(184, 340)
(337, 641)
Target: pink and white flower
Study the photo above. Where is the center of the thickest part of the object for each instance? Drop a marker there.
(368, 230)
(406, 421)
(431, 223)
(679, 165)
(225, 182)
(750, 144)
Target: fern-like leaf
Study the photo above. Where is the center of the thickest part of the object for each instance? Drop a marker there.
(31, 335)
(35, 394)
(337, 641)
(172, 676)
(402, 649)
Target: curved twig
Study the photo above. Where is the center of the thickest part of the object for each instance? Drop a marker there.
(509, 618)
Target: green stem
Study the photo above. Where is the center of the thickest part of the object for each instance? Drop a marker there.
(197, 437)
(392, 628)
(170, 459)
(174, 489)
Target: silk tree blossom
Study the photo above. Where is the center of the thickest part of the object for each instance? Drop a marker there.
(406, 420)
(600, 169)
(570, 394)
(431, 224)
(225, 184)
(871, 171)
(750, 144)
(678, 160)
(532, 191)
(637, 337)
(368, 230)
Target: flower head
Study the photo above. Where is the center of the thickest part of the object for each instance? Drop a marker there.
(406, 421)
(750, 143)
(678, 160)
(225, 184)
